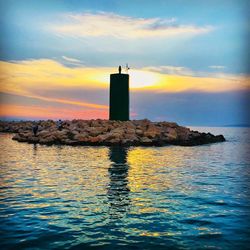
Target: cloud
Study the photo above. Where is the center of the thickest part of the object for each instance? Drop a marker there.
(123, 27)
(40, 112)
(217, 67)
(71, 91)
(184, 71)
(172, 70)
(72, 60)
(37, 78)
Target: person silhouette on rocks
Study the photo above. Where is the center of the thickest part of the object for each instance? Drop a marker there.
(59, 124)
(35, 129)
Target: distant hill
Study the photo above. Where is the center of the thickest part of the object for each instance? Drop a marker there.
(238, 125)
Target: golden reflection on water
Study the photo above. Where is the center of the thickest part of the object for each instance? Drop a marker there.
(118, 189)
(147, 162)
(78, 174)
(158, 234)
(88, 187)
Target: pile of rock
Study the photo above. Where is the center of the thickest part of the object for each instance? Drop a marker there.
(14, 127)
(105, 132)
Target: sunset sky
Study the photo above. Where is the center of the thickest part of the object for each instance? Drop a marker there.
(188, 59)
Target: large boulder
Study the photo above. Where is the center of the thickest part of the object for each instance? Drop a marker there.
(171, 134)
(152, 131)
(146, 141)
(48, 140)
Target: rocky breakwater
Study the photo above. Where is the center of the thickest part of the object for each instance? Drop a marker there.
(105, 132)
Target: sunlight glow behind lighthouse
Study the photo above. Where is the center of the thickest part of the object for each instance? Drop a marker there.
(142, 79)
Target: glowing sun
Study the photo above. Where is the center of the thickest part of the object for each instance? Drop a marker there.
(141, 79)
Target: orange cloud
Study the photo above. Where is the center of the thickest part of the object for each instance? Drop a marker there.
(175, 83)
(41, 78)
(76, 103)
(28, 77)
(38, 112)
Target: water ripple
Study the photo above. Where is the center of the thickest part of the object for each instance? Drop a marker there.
(122, 198)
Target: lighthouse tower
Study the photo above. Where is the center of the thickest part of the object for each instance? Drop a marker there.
(119, 96)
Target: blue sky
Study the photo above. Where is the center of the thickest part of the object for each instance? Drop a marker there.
(198, 39)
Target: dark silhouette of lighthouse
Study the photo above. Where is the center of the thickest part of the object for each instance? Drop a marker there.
(119, 96)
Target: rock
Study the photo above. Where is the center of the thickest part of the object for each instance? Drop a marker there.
(108, 136)
(33, 139)
(48, 140)
(94, 123)
(145, 141)
(95, 139)
(130, 137)
(83, 137)
(115, 141)
(171, 134)
(69, 142)
(105, 132)
(118, 130)
(44, 134)
(94, 131)
(152, 131)
(139, 132)
(17, 137)
(220, 138)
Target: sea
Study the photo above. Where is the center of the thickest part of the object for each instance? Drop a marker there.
(82, 197)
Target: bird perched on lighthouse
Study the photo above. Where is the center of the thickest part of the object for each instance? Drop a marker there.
(127, 68)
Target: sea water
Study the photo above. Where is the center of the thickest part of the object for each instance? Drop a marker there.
(172, 197)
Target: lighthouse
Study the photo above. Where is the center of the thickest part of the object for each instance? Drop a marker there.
(119, 96)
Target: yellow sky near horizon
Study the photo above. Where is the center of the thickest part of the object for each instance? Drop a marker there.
(38, 78)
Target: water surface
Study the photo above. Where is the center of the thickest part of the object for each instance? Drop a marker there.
(62, 197)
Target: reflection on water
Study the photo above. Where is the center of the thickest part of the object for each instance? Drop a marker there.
(34, 148)
(118, 190)
(164, 198)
